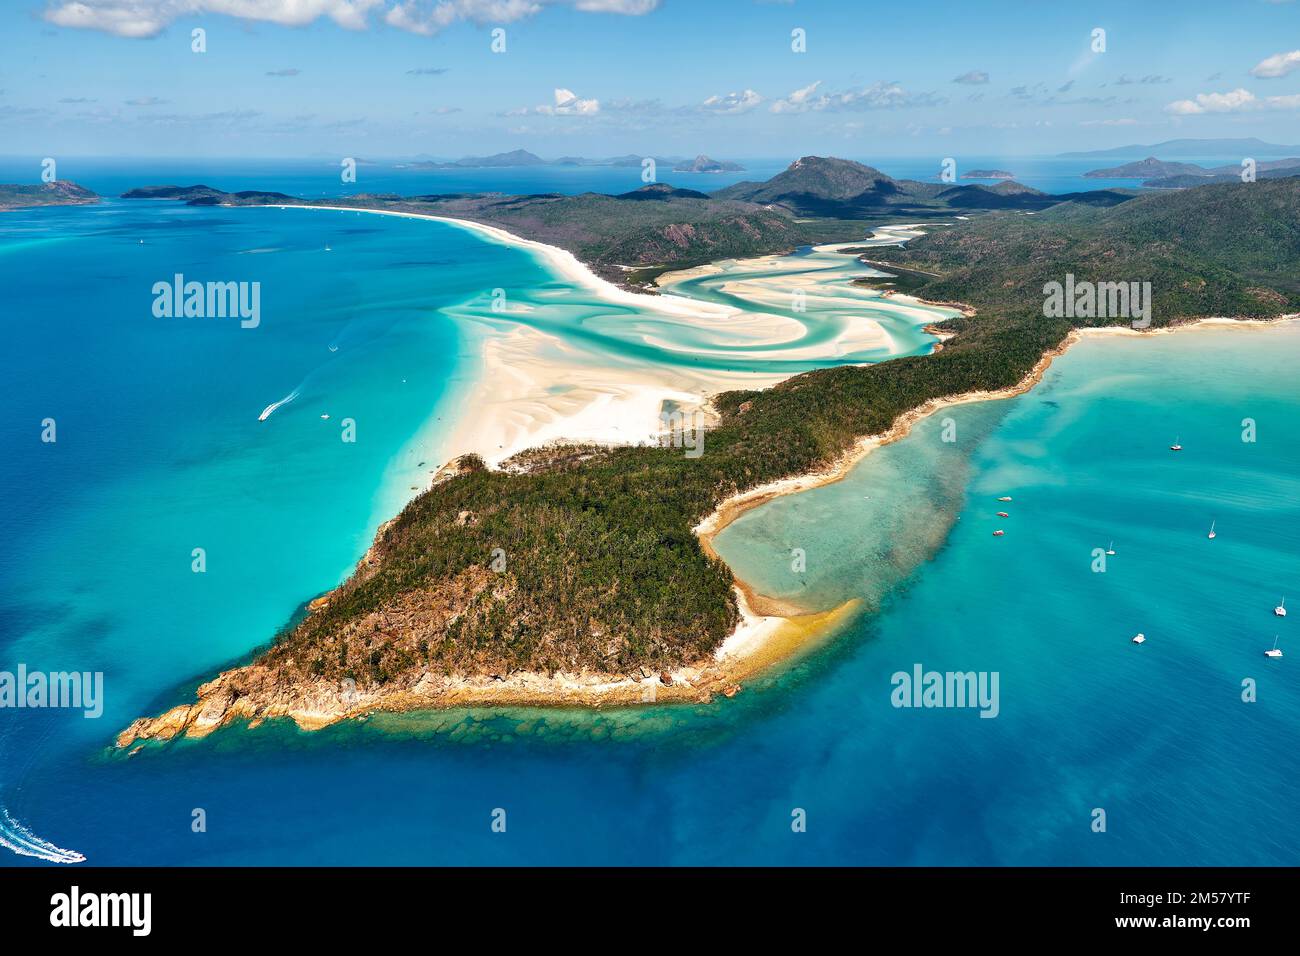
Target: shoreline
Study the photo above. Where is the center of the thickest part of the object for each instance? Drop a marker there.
(533, 387)
(767, 634)
(756, 607)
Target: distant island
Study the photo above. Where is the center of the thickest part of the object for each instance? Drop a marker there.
(1148, 168)
(521, 157)
(703, 164)
(630, 238)
(58, 193)
(988, 174)
(1159, 174)
(1190, 149)
(423, 622)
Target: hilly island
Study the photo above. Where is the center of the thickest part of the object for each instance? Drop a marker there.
(584, 573)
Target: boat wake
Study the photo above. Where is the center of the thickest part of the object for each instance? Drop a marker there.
(14, 836)
(267, 412)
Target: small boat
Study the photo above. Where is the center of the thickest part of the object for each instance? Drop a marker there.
(324, 416)
(1176, 446)
(1274, 652)
(333, 348)
(1110, 548)
(1280, 610)
(328, 249)
(1003, 514)
(999, 533)
(1005, 498)
(1211, 535)
(1140, 639)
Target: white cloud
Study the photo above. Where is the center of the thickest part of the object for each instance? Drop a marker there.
(732, 102)
(1110, 122)
(1234, 101)
(426, 18)
(798, 101)
(146, 18)
(1279, 64)
(972, 78)
(877, 96)
(567, 103)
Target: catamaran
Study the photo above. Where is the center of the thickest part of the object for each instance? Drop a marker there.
(1274, 652)
(1176, 446)
(1280, 610)
(1140, 639)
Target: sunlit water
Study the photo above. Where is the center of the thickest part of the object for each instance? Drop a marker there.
(193, 442)
(160, 451)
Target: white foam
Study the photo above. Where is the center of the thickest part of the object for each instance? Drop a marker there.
(16, 837)
(266, 412)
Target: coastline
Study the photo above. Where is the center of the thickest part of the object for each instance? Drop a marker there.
(768, 632)
(757, 608)
(533, 388)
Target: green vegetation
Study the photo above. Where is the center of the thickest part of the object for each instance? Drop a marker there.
(598, 566)
(580, 557)
(58, 193)
(1230, 250)
(631, 238)
(821, 186)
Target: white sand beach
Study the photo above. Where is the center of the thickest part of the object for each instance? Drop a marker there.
(536, 388)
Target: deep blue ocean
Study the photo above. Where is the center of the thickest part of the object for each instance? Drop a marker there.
(159, 451)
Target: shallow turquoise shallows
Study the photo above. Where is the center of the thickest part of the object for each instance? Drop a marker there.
(160, 451)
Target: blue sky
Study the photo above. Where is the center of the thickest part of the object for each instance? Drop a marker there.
(390, 78)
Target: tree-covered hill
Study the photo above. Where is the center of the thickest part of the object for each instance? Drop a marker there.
(1230, 249)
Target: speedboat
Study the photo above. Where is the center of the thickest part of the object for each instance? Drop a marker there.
(999, 533)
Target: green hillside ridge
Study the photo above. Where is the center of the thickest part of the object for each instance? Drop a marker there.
(61, 192)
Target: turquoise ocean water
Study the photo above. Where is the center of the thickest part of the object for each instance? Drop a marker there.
(160, 451)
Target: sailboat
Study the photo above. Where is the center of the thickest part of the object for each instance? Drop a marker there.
(1110, 548)
(1274, 652)
(1176, 446)
(1139, 639)
(1211, 534)
(1280, 610)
